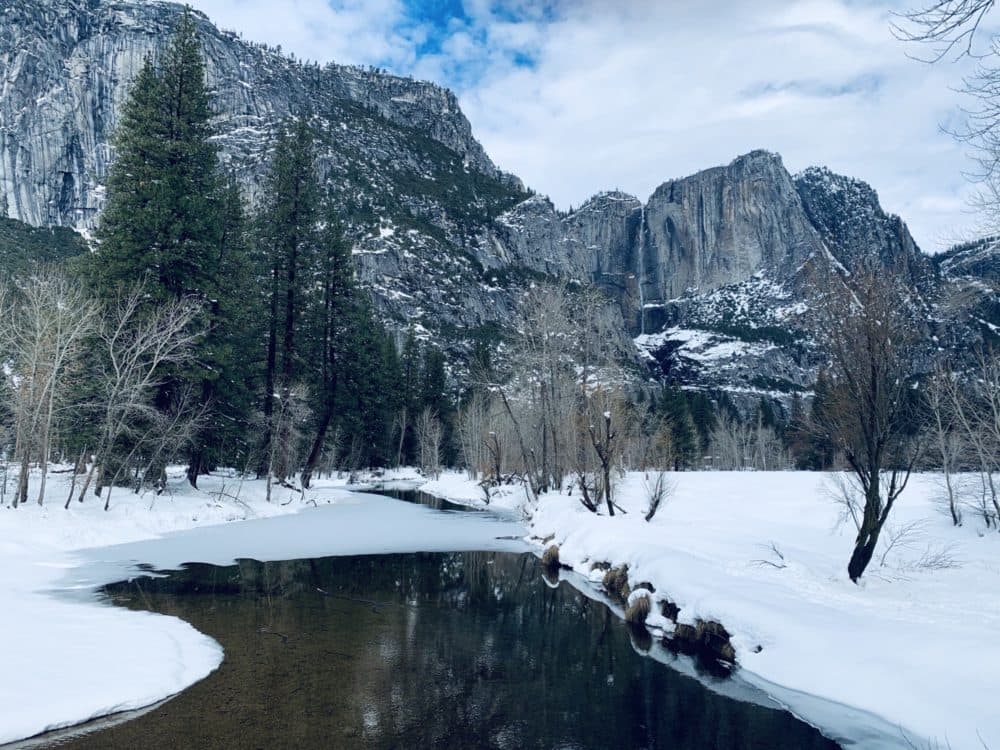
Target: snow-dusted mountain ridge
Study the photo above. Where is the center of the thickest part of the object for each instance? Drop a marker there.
(708, 271)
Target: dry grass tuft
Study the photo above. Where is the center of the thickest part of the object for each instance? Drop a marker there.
(637, 612)
(615, 582)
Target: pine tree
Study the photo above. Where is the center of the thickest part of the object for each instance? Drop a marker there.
(162, 221)
(434, 382)
(682, 429)
(434, 396)
(290, 234)
(371, 379)
(334, 320)
(231, 347)
(703, 416)
(410, 397)
(174, 226)
(765, 414)
(797, 434)
(819, 449)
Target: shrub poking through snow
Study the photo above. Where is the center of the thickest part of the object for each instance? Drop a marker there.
(659, 488)
(705, 638)
(550, 558)
(669, 610)
(616, 584)
(715, 638)
(638, 608)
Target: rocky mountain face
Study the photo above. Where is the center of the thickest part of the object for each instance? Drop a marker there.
(715, 272)
(398, 155)
(711, 273)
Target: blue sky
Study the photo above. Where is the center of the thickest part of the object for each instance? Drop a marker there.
(578, 96)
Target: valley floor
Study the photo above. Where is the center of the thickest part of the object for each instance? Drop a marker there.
(917, 643)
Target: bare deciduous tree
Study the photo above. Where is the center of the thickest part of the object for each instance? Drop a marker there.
(565, 350)
(659, 488)
(285, 448)
(867, 329)
(738, 446)
(944, 398)
(604, 438)
(947, 26)
(950, 30)
(473, 435)
(975, 407)
(429, 436)
(46, 325)
(136, 345)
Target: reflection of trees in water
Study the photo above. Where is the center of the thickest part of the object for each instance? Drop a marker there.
(428, 650)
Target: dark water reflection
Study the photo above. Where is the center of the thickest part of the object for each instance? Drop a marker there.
(464, 650)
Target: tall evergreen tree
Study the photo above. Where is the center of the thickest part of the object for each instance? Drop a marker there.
(368, 398)
(797, 434)
(410, 396)
(821, 450)
(434, 382)
(703, 416)
(333, 323)
(172, 224)
(682, 428)
(232, 349)
(162, 221)
(765, 414)
(290, 235)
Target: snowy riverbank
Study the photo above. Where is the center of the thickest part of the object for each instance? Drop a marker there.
(66, 658)
(763, 554)
(79, 659)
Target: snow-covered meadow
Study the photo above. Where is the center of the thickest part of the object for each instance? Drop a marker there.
(917, 643)
(65, 657)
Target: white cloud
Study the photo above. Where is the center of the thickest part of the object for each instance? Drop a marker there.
(632, 93)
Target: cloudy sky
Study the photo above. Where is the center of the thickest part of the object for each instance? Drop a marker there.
(577, 96)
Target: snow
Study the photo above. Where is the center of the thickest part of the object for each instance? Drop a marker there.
(915, 650)
(78, 658)
(701, 346)
(911, 650)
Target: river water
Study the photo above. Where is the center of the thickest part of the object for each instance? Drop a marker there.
(426, 650)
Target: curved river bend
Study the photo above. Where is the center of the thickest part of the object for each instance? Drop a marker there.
(424, 650)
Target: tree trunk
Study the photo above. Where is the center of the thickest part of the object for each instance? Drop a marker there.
(269, 376)
(606, 469)
(196, 458)
(403, 418)
(44, 451)
(871, 526)
(195, 462)
(862, 555)
(317, 446)
(22, 481)
(76, 473)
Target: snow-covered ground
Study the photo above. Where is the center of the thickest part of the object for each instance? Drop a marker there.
(917, 643)
(66, 658)
(762, 553)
